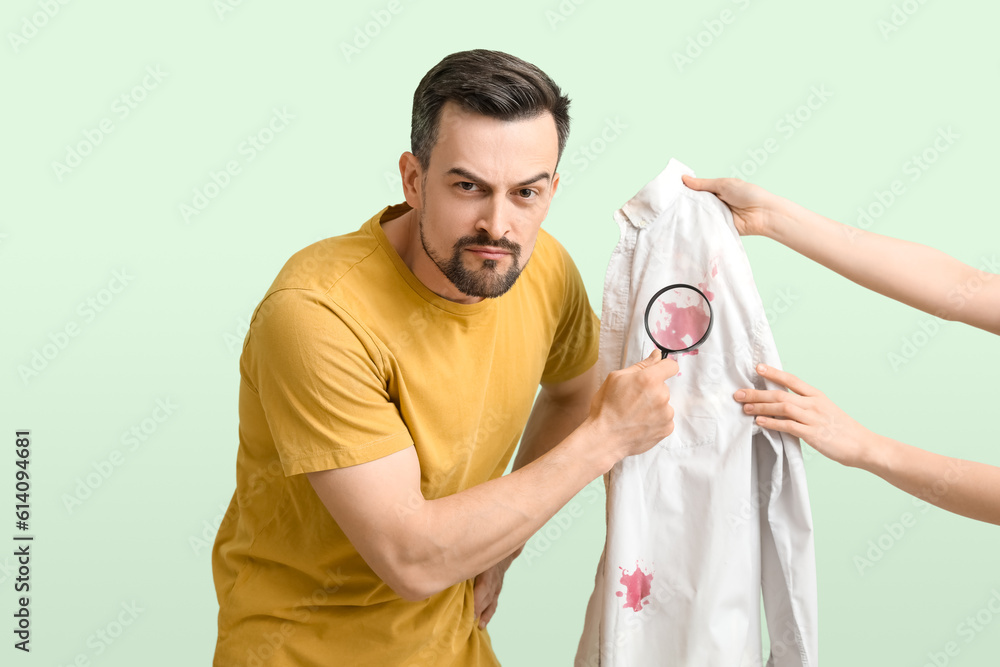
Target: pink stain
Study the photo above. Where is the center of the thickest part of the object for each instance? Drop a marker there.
(704, 287)
(678, 327)
(715, 270)
(637, 586)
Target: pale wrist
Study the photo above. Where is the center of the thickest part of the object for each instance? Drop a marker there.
(877, 454)
(782, 216)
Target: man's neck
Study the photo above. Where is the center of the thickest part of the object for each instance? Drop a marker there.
(403, 233)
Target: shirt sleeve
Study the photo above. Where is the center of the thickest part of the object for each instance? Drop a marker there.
(575, 345)
(323, 384)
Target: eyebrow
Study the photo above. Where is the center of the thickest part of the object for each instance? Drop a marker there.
(465, 173)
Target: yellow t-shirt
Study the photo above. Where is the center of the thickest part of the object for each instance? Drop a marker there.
(348, 358)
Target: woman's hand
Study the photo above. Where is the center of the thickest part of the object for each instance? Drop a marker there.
(808, 414)
(752, 206)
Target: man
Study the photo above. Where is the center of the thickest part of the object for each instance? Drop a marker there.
(386, 379)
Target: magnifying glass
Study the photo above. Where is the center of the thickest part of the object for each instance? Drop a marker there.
(678, 318)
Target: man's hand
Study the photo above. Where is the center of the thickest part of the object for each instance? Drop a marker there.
(808, 414)
(752, 206)
(631, 410)
(421, 546)
(486, 591)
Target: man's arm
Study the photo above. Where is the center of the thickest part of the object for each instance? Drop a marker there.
(419, 547)
(558, 410)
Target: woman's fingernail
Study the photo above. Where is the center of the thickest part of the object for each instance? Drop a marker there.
(748, 407)
(761, 368)
(740, 395)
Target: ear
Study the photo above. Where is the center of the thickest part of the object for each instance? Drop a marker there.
(411, 173)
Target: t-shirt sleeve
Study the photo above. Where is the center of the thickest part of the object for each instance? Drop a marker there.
(575, 345)
(322, 383)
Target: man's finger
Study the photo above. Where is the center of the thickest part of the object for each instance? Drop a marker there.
(488, 613)
(478, 596)
(786, 379)
(655, 363)
(653, 358)
(665, 368)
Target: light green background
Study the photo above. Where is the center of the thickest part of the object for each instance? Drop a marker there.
(169, 334)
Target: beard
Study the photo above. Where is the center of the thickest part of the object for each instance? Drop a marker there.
(486, 282)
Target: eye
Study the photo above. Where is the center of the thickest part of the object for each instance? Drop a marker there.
(462, 185)
(527, 193)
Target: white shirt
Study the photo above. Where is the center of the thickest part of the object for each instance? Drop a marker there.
(718, 512)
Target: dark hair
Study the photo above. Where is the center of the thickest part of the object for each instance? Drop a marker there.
(491, 83)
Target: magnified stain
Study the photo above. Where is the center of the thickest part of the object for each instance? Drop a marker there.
(677, 327)
(637, 587)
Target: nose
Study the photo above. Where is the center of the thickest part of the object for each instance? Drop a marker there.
(493, 218)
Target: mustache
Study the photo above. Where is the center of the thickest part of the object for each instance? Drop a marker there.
(487, 241)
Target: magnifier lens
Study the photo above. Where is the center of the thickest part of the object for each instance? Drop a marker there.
(679, 318)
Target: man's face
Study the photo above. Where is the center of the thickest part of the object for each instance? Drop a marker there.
(484, 195)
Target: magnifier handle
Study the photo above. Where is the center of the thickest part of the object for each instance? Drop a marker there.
(664, 354)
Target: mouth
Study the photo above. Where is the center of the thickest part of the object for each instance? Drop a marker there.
(487, 252)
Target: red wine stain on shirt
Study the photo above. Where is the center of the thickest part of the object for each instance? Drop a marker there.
(704, 288)
(637, 587)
